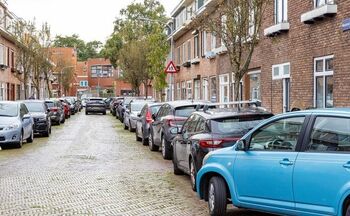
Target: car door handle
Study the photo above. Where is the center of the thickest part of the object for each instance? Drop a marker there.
(347, 165)
(286, 162)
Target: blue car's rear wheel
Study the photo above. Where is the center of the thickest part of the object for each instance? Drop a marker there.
(217, 196)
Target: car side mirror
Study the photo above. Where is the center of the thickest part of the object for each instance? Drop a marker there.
(154, 116)
(26, 116)
(242, 145)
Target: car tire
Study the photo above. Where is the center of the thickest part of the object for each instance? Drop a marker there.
(58, 122)
(63, 120)
(137, 136)
(47, 132)
(130, 127)
(166, 152)
(177, 171)
(217, 196)
(104, 113)
(151, 145)
(193, 174)
(20, 143)
(31, 137)
(125, 127)
(347, 212)
(86, 113)
(144, 140)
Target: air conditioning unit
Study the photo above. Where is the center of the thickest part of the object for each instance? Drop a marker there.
(210, 55)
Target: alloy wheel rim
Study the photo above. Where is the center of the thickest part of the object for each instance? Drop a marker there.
(150, 141)
(211, 197)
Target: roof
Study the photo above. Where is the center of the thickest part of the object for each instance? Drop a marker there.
(225, 112)
(32, 101)
(10, 102)
(180, 103)
(334, 111)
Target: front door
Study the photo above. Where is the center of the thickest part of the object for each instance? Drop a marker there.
(286, 95)
(323, 170)
(264, 173)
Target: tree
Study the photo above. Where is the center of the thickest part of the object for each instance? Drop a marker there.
(237, 23)
(84, 50)
(141, 28)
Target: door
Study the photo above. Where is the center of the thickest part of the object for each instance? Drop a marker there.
(286, 95)
(157, 124)
(263, 174)
(26, 122)
(322, 172)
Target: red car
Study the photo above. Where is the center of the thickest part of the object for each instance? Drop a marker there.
(66, 107)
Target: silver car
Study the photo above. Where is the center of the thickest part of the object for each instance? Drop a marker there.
(131, 114)
(16, 124)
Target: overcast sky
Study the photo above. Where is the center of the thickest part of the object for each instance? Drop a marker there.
(91, 20)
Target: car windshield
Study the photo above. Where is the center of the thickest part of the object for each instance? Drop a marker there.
(236, 124)
(185, 111)
(50, 104)
(136, 107)
(96, 101)
(8, 110)
(35, 107)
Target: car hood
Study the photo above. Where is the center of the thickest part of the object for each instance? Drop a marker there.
(38, 115)
(4, 121)
(134, 113)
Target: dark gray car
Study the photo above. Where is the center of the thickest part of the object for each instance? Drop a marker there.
(57, 111)
(95, 105)
(41, 115)
(144, 121)
(169, 118)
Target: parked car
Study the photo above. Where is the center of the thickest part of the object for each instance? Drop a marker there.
(144, 121)
(41, 115)
(131, 114)
(57, 111)
(207, 131)
(16, 124)
(66, 108)
(122, 107)
(72, 105)
(169, 118)
(95, 105)
(113, 106)
(292, 164)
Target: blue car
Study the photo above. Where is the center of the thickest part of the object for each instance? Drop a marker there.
(16, 124)
(292, 164)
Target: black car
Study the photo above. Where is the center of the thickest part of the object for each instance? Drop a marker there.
(114, 104)
(95, 105)
(210, 130)
(41, 115)
(169, 118)
(56, 110)
(144, 121)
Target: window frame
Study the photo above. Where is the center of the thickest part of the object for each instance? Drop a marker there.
(281, 74)
(324, 74)
(283, 13)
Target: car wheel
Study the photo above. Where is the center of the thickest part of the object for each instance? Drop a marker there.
(166, 153)
(125, 126)
(151, 145)
(193, 174)
(58, 122)
(50, 129)
(177, 171)
(104, 113)
(144, 140)
(19, 144)
(130, 127)
(63, 120)
(217, 196)
(31, 137)
(86, 113)
(47, 132)
(137, 136)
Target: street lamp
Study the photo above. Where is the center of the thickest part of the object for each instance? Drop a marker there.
(61, 77)
(171, 81)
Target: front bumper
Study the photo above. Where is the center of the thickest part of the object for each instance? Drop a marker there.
(11, 136)
(40, 127)
(55, 118)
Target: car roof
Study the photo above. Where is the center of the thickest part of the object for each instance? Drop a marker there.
(32, 101)
(328, 111)
(10, 102)
(227, 112)
(181, 103)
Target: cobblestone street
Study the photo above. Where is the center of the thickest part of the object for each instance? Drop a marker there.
(91, 166)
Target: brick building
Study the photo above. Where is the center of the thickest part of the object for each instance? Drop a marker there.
(301, 60)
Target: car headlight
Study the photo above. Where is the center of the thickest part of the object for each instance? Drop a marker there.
(206, 157)
(41, 119)
(12, 127)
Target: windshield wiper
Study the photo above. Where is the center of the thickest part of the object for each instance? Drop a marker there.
(6, 115)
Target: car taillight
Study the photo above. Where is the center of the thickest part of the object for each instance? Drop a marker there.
(54, 109)
(215, 143)
(174, 121)
(149, 118)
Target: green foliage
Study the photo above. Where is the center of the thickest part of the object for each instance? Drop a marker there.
(138, 44)
(84, 50)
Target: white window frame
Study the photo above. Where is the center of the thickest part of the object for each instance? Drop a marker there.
(212, 41)
(320, 3)
(281, 11)
(184, 58)
(189, 91)
(222, 85)
(196, 45)
(281, 74)
(323, 74)
(258, 91)
(197, 90)
(183, 90)
(178, 91)
(2, 54)
(205, 88)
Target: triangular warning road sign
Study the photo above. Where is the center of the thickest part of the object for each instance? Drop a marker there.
(171, 68)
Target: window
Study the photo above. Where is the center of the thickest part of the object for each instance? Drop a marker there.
(281, 71)
(180, 19)
(101, 71)
(213, 41)
(319, 3)
(323, 89)
(84, 83)
(203, 43)
(189, 90)
(200, 3)
(201, 125)
(189, 54)
(178, 91)
(224, 88)
(2, 54)
(281, 135)
(196, 46)
(178, 56)
(254, 80)
(281, 11)
(183, 91)
(184, 53)
(213, 96)
(330, 134)
(197, 93)
(205, 88)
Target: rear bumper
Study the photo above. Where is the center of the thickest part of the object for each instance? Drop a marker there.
(95, 109)
(55, 118)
